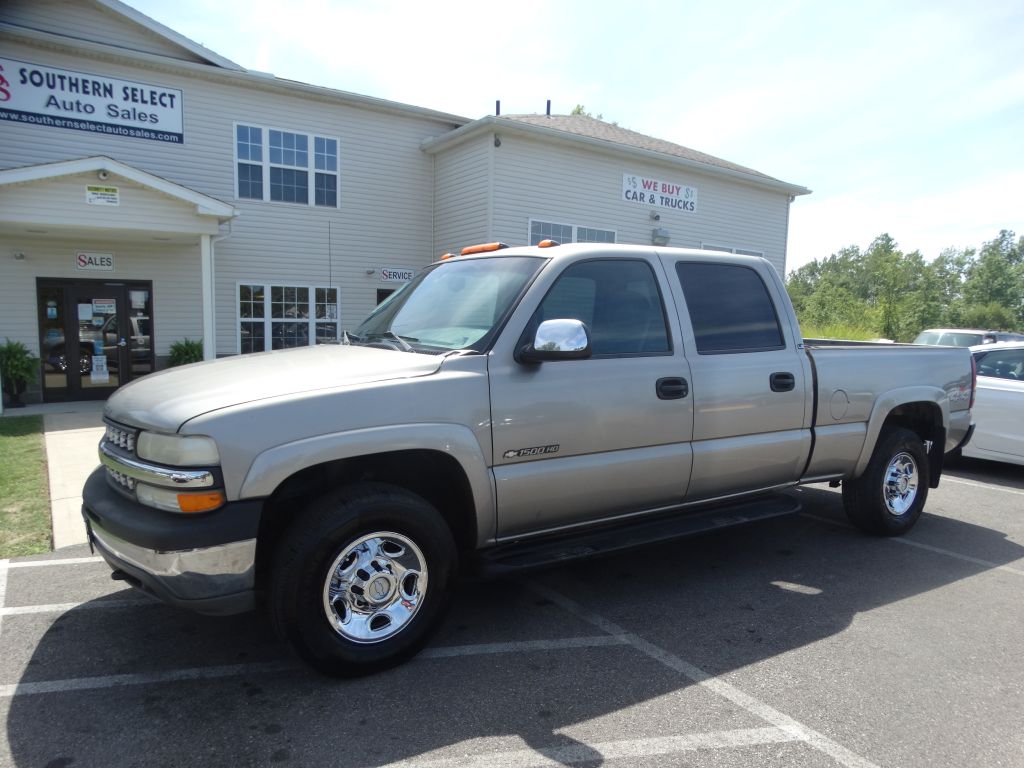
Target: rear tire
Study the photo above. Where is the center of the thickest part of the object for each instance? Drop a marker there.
(888, 498)
(362, 579)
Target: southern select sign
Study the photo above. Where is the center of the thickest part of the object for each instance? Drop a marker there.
(38, 95)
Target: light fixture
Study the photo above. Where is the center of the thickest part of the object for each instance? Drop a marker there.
(18, 255)
(370, 271)
(103, 174)
(660, 236)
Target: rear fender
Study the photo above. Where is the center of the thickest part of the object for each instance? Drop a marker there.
(889, 402)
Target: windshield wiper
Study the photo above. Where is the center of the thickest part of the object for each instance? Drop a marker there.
(355, 339)
(392, 336)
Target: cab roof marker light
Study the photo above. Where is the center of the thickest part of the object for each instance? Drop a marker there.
(548, 243)
(483, 248)
(446, 256)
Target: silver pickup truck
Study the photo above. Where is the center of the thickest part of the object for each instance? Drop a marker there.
(506, 409)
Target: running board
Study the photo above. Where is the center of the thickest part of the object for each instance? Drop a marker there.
(538, 553)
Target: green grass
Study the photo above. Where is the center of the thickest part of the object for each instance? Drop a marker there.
(24, 488)
(845, 332)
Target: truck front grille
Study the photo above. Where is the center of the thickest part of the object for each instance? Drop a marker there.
(119, 480)
(122, 437)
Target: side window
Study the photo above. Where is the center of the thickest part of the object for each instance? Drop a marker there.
(730, 308)
(618, 301)
(1001, 364)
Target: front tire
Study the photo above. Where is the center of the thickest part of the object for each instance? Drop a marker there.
(888, 498)
(362, 579)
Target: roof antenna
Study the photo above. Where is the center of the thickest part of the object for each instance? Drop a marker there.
(497, 108)
(549, 108)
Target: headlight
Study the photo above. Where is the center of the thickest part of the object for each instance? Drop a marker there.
(178, 450)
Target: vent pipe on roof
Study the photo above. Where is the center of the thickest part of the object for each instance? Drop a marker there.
(497, 108)
(549, 108)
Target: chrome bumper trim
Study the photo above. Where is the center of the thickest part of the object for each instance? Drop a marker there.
(153, 474)
(192, 574)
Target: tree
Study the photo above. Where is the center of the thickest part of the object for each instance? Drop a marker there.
(997, 277)
(882, 291)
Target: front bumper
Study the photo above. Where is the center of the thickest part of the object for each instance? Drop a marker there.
(206, 563)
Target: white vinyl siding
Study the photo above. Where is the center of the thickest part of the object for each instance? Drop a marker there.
(463, 181)
(90, 21)
(584, 186)
(174, 270)
(387, 190)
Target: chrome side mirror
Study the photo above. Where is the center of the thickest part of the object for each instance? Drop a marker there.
(556, 340)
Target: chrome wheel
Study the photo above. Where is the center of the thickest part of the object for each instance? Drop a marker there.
(900, 484)
(375, 587)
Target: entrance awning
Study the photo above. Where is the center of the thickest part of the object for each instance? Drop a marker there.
(102, 198)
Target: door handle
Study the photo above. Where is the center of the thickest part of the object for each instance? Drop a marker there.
(672, 388)
(782, 382)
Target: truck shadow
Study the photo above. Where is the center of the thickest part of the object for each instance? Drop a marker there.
(720, 602)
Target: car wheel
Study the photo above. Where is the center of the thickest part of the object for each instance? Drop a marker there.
(362, 579)
(889, 497)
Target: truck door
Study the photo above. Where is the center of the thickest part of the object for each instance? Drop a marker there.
(578, 440)
(750, 389)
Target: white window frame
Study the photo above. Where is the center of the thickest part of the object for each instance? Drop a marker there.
(730, 249)
(268, 321)
(575, 229)
(266, 165)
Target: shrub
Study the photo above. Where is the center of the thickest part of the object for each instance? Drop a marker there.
(17, 365)
(184, 352)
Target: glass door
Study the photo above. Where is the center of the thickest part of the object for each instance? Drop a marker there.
(94, 336)
(99, 340)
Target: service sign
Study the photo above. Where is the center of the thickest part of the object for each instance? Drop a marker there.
(656, 193)
(396, 274)
(39, 95)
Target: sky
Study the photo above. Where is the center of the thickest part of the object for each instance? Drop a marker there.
(902, 117)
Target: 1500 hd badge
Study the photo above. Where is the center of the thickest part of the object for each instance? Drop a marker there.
(521, 453)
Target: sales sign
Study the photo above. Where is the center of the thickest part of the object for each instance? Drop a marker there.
(40, 95)
(656, 193)
(101, 262)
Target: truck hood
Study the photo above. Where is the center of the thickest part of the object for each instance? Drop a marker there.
(168, 399)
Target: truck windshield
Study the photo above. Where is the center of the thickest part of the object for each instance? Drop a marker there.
(453, 305)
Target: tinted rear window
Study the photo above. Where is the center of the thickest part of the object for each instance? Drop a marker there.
(730, 308)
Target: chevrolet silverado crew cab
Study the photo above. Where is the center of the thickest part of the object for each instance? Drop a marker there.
(506, 409)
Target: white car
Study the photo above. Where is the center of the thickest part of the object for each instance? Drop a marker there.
(964, 337)
(999, 403)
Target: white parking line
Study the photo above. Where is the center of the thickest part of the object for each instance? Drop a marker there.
(3, 591)
(141, 678)
(202, 673)
(55, 561)
(523, 646)
(986, 486)
(623, 749)
(928, 547)
(797, 731)
(25, 610)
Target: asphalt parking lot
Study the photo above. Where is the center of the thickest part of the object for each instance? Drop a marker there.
(795, 642)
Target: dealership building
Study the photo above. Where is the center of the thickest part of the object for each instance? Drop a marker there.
(153, 191)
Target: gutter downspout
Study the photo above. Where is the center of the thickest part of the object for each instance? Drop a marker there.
(209, 292)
